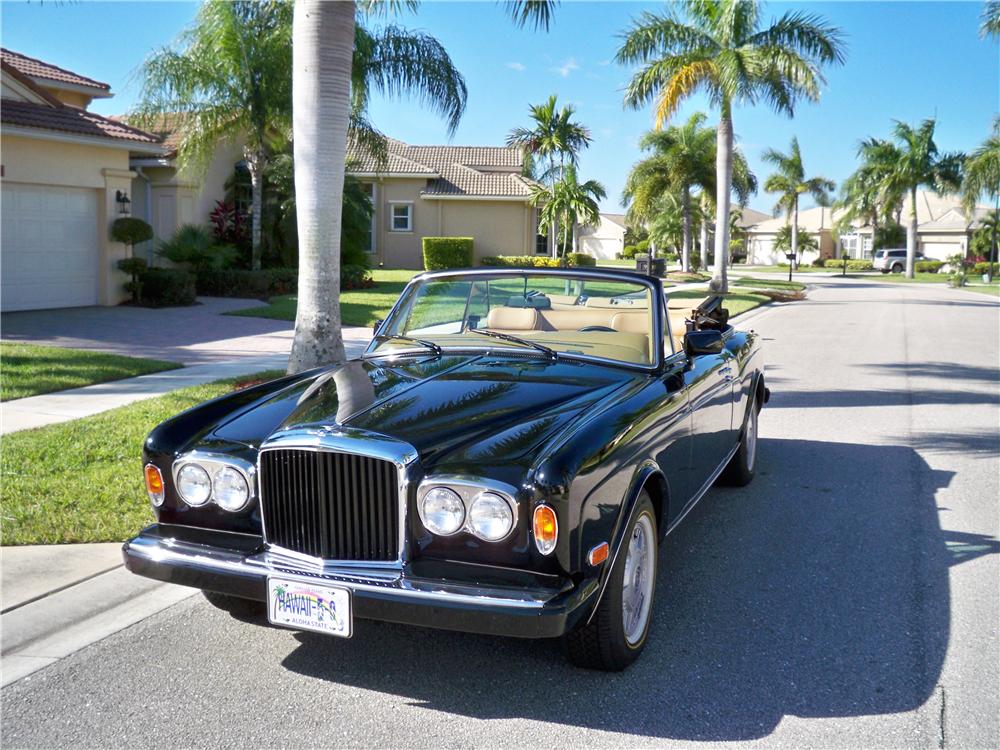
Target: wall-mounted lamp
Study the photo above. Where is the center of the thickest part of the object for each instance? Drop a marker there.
(124, 204)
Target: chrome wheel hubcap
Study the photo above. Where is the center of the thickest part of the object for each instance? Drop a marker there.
(751, 446)
(637, 587)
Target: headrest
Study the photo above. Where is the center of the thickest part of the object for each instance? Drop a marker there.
(538, 301)
(512, 319)
(631, 322)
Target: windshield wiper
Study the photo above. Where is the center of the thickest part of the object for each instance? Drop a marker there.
(550, 353)
(408, 339)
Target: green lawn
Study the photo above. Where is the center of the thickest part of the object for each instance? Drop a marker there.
(738, 268)
(358, 307)
(975, 283)
(28, 370)
(81, 481)
(736, 302)
(782, 284)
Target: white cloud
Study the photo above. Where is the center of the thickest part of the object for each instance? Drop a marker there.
(566, 68)
(519, 67)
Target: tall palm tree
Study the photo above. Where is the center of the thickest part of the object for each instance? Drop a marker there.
(554, 138)
(790, 182)
(226, 79)
(982, 171)
(569, 202)
(719, 47)
(991, 225)
(323, 41)
(919, 163)
(666, 228)
(865, 194)
(990, 20)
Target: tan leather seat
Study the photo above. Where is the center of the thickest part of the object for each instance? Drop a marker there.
(678, 328)
(512, 319)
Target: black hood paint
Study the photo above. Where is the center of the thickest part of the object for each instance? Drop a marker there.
(453, 408)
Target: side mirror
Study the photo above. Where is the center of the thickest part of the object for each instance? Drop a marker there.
(376, 326)
(703, 342)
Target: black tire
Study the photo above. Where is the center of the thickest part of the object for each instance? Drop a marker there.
(241, 609)
(897, 268)
(740, 470)
(602, 643)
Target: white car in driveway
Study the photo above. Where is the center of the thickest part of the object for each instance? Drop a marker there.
(892, 259)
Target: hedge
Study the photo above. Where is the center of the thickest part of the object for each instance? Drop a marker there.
(929, 266)
(261, 284)
(852, 264)
(441, 253)
(166, 287)
(538, 261)
(981, 268)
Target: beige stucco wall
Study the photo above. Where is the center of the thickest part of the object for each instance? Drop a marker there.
(73, 98)
(55, 163)
(498, 227)
(403, 249)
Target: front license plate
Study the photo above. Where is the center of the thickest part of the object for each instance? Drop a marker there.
(306, 606)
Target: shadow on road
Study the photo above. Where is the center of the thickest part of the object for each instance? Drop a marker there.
(819, 591)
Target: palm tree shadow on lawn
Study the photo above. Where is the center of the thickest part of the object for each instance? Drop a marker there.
(821, 590)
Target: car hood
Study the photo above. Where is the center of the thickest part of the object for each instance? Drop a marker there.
(454, 409)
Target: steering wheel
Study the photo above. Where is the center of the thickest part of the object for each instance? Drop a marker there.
(589, 329)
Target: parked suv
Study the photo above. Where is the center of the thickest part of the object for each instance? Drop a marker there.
(894, 260)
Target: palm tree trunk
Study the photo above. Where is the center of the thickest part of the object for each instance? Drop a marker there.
(911, 234)
(795, 231)
(686, 250)
(256, 161)
(724, 179)
(322, 51)
(704, 233)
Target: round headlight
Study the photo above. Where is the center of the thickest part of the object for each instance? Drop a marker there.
(194, 484)
(443, 511)
(490, 517)
(230, 489)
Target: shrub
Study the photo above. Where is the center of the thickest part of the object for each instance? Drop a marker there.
(980, 268)
(642, 246)
(522, 261)
(629, 251)
(447, 252)
(239, 283)
(163, 287)
(355, 277)
(133, 267)
(130, 231)
(852, 264)
(928, 266)
(192, 246)
(580, 259)
(821, 263)
(695, 262)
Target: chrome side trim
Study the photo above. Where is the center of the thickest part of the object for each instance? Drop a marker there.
(340, 439)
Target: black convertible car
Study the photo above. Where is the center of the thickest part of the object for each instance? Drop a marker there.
(505, 458)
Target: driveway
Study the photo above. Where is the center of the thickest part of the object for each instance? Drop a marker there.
(200, 334)
(847, 598)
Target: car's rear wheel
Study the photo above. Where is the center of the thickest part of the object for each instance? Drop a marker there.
(897, 267)
(241, 609)
(740, 470)
(617, 631)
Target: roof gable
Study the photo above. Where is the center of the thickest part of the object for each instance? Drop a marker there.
(43, 72)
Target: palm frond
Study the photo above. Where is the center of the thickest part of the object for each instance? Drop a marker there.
(535, 13)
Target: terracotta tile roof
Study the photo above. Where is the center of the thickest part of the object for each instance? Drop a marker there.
(34, 68)
(69, 119)
(479, 171)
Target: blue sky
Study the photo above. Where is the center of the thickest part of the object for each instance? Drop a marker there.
(906, 60)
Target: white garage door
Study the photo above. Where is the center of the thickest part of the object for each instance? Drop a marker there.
(48, 247)
(940, 250)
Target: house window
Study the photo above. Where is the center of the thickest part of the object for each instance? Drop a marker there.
(401, 217)
(541, 241)
(369, 190)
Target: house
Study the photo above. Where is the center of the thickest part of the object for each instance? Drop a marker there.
(66, 178)
(447, 191)
(604, 240)
(942, 231)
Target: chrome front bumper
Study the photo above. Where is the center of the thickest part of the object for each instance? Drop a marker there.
(236, 564)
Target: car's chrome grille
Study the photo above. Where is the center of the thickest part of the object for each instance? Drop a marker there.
(330, 505)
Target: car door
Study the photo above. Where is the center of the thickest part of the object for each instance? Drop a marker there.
(709, 381)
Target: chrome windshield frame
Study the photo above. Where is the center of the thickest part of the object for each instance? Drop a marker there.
(658, 311)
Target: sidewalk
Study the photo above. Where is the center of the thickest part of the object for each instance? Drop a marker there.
(62, 406)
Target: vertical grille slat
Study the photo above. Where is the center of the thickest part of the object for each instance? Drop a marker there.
(335, 506)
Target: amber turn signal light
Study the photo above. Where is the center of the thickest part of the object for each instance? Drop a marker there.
(154, 485)
(546, 529)
(598, 554)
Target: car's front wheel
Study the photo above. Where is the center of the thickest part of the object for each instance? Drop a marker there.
(617, 631)
(740, 470)
(897, 268)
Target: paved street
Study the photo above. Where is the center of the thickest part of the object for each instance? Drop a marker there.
(847, 598)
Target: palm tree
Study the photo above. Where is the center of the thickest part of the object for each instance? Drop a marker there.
(790, 182)
(982, 171)
(666, 228)
(568, 202)
(990, 224)
(553, 137)
(990, 20)
(917, 164)
(865, 194)
(323, 40)
(719, 47)
(225, 80)
(787, 235)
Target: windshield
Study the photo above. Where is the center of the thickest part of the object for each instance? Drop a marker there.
(535, 313)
